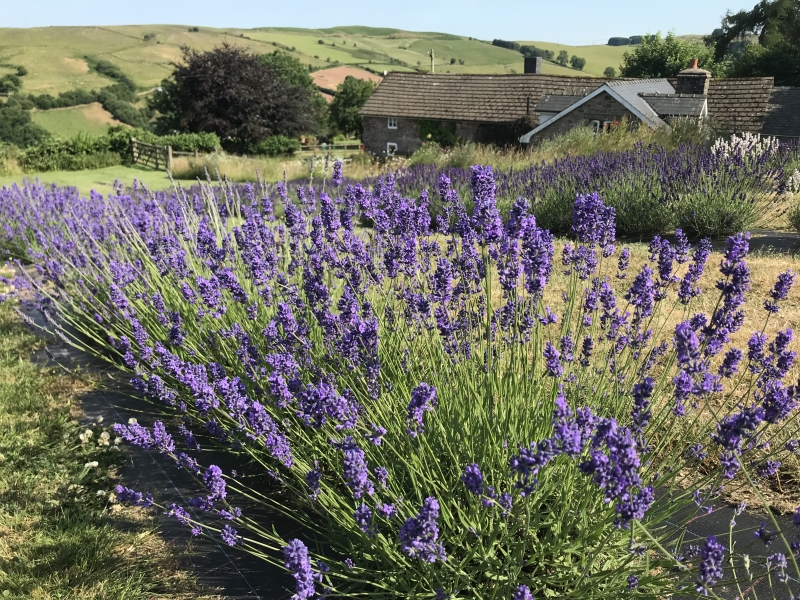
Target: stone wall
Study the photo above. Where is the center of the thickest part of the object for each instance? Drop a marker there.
(376, 135)
(602, 107)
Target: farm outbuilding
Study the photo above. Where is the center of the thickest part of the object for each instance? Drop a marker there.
(527, 108)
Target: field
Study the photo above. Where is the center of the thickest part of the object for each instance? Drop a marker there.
(101, 180)
(598, 57)
(330, 78)
(90, 119)
(56, 56)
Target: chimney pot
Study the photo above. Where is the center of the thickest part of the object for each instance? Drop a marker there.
(693, 64)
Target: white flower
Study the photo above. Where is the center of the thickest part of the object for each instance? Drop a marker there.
(132, 421)
(99, 418)
(86, 436)
(101, 492)
(91, 465)
(117, 441)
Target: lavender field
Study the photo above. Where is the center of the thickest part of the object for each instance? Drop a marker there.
(447, 399)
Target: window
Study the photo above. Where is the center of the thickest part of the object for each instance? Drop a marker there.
(391, 148)
(392, 122)
(609, 125)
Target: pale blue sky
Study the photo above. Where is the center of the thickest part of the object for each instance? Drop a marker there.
(565, 21)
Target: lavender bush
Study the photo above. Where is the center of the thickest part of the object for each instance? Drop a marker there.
(438, 422)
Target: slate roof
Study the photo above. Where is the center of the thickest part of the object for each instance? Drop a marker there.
(676, 105)
(482, 98)
(630, 90)
(783, 113)
(555, 103)
(738, 104)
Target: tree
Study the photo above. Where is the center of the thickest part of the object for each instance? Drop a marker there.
(563, 58)
(610, 72)
(16, 127)
(234, 94)
(666, 57)
(777, 54)
(351, 95)
(577, 62)
(296, 75)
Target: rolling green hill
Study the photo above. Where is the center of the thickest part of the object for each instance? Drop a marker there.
(55, 56)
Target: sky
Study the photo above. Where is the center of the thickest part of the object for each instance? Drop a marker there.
(573, 22)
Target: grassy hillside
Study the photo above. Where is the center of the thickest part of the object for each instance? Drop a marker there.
(54, 56)
(68, 122)
(598, 57)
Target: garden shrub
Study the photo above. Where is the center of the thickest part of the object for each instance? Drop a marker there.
(437, 420)
(276, 145)
(74, 154)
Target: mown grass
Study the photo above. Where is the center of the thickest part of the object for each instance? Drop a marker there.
(100, 180)
(61, 536)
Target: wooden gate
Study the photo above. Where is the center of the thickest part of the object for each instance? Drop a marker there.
(149, 155)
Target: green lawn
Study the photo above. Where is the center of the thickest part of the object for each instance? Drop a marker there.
(100, 180)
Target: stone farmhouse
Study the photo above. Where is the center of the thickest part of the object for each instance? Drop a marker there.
(527, 108)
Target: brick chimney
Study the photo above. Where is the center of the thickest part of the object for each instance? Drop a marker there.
(533, 64)
(693, 80)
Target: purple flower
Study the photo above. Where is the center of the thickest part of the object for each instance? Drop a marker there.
(552, 359)
(522, 593)
(423, 398)
(376, 437)
(313, 478)
(356, 473)
(641, 404)
(134, 498)
(486, 218)
(336, 177)
(296, 560)
(593, 222)
(688, 288)
(363, 518)
(623, 263)
(214, 482)
(419, 535)
(229, 535)
(642, 294)
(712, 554)
(633, 582)
(780, 291)
(382, 476)
(473, 479)
(730, 364)
(536, 255)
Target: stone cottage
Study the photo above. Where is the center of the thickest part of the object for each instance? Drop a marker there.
(526, 108)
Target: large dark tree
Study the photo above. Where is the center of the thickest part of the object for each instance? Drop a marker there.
(777, 54)
(293, 72)
(234, 94)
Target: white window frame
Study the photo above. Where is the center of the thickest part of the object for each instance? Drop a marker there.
(391, 123)
(391, 148)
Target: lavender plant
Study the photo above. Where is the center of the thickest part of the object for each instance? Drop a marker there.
(439, 424)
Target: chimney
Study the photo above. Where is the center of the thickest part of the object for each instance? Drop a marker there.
(533, 64)
(693, 80)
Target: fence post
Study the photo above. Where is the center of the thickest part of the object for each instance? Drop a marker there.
(169, 159)
(134, 151)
